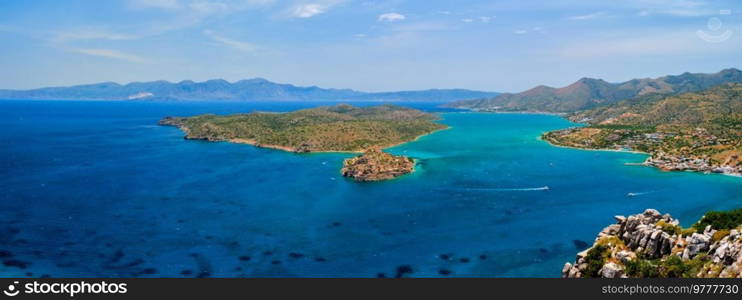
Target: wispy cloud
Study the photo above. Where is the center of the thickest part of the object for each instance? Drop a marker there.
(646, 43)
(164, 4)
(390, 17)
(311, 9)
(480, 19)
(675, 8)
(235, 44)
(203, 6)
(591, 16)
(90, 34)
(109, 53)
(536, 29)
(307, 10)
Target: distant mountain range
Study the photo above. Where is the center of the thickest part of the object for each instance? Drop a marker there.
(588, 93)
(257, 89)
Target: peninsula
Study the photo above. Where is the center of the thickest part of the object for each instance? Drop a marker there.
(338, 128)
(699, 131)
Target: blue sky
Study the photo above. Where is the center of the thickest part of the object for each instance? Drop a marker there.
(367, 45)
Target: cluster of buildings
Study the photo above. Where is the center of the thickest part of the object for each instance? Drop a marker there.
(669, 162)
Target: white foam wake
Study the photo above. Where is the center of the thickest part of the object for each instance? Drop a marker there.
(543, 188)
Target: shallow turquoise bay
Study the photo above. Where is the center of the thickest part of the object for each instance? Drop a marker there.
(97, 189)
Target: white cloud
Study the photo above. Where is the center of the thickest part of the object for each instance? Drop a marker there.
(164, 4)
(391, 17)
(307, 10)
(485, 19)
(209, 8)
(238, 45)
(467, 20)
(674, 8)
(90, 34)
(521, 31)
(109, 53)
(591, 16)
(310, 9)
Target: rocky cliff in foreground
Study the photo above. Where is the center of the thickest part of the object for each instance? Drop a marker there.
(654, 245)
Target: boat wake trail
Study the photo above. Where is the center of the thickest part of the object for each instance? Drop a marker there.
(543, 188)
(638, 194)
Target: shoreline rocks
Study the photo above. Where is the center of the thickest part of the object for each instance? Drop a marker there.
(655, 244)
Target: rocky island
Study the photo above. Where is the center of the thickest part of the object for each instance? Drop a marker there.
(700, 131)
(654, 245)
(375, 165)
(339, 128)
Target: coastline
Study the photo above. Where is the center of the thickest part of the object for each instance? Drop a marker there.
(592, 149)
(643, 164)
(469, 111)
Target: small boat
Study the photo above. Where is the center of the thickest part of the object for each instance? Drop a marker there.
(631, 195)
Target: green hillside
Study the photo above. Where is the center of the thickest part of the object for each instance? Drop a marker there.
(699, 131)
(332, 128)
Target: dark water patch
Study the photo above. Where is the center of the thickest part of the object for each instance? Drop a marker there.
(403, 271)
(267, 253)
(14, 263)
(483, 257)
(296, 255)
(203, 274)
(186, 272)
(5, 253)
(245, 258)
(320, 259)
(148, 271)
(464, 260)
(204, 266)
(444, 272)
(446, 256)
(580, 245)
(275, 262)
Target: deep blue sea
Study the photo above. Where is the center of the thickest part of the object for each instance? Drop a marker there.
(95, 189)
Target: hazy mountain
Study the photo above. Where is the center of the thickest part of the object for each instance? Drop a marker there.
(257, 89)
(587, 93)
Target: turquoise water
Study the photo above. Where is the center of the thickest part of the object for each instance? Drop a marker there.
(98, 189)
